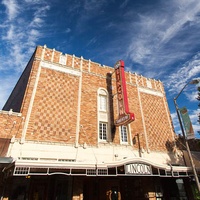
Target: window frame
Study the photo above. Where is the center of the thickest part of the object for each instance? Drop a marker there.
(103, 105)
(124, 134)
(103, 134)
(103, 115)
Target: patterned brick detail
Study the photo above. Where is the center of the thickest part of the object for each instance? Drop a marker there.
(141, 81)
(69, 61)
(156, 121)
(54, 111)
(56, 57)
(134, 106)
(48, 54)
(85, 65)
(77, 63)
(90, 85)
(10, 126)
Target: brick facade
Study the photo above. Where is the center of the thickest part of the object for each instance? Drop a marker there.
(51, 104)
(50, 126)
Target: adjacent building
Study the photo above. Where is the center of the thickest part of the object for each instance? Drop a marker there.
(75, 129)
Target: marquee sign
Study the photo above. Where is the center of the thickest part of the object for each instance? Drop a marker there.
(138, 169)
(125, 116)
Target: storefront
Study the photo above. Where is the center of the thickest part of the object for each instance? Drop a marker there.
(134, 179)
(78, 130)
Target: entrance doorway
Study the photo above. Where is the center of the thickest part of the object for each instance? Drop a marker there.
(110, 189)
(102, 189)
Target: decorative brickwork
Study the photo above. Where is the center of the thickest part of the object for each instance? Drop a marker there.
(60, 103)
(54, 109)
(10, 127)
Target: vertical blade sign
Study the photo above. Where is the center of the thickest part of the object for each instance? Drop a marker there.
(187, 123)
(125, 116)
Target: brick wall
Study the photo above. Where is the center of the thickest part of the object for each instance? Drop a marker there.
(55, 92)
(10, 126)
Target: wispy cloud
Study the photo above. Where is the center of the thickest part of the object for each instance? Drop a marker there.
(158, 37)
(124, 3)
(12, 8)
(93, 5)
(192, 96)
(176, 123)
(20, 34)
(194, 117)
(179, 77)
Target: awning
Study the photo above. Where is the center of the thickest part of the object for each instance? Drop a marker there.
(195, 157)
(5, 161)
(127, 167)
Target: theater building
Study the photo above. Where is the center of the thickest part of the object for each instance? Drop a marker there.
(74, 129)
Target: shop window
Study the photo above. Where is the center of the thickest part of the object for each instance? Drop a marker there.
(102, 130)
(124, 134)
(181, 189)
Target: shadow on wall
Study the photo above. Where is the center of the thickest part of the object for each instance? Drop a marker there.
(110, 98)
(170, 145)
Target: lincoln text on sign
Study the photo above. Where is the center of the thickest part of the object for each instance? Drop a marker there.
(125, 116)
(138, 169)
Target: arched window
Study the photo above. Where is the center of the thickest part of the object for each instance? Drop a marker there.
(103, 100)
(103, 116)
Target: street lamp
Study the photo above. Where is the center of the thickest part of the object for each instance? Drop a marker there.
(194, 81)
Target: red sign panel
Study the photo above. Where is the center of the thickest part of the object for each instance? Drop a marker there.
(125, 116)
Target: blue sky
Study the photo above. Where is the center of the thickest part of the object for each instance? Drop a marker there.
(156, 38)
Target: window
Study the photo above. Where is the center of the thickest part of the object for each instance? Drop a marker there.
(102, 131)
(102, 103)
(103, 119)
(124, 134)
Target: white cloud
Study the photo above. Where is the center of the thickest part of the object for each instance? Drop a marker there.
(155, 38)
(10, 33)
(19, 36)
(34, 1)
(12, 8)
(175, 121)
(186, 11)
(181, 76)
(194, 117)
(36, 22)
(22, 34)
(124, 4)
(68, 30)
(41, 11)
(93, 5)
(192, 96)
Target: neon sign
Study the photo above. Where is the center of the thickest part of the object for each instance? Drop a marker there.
(125, 116)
